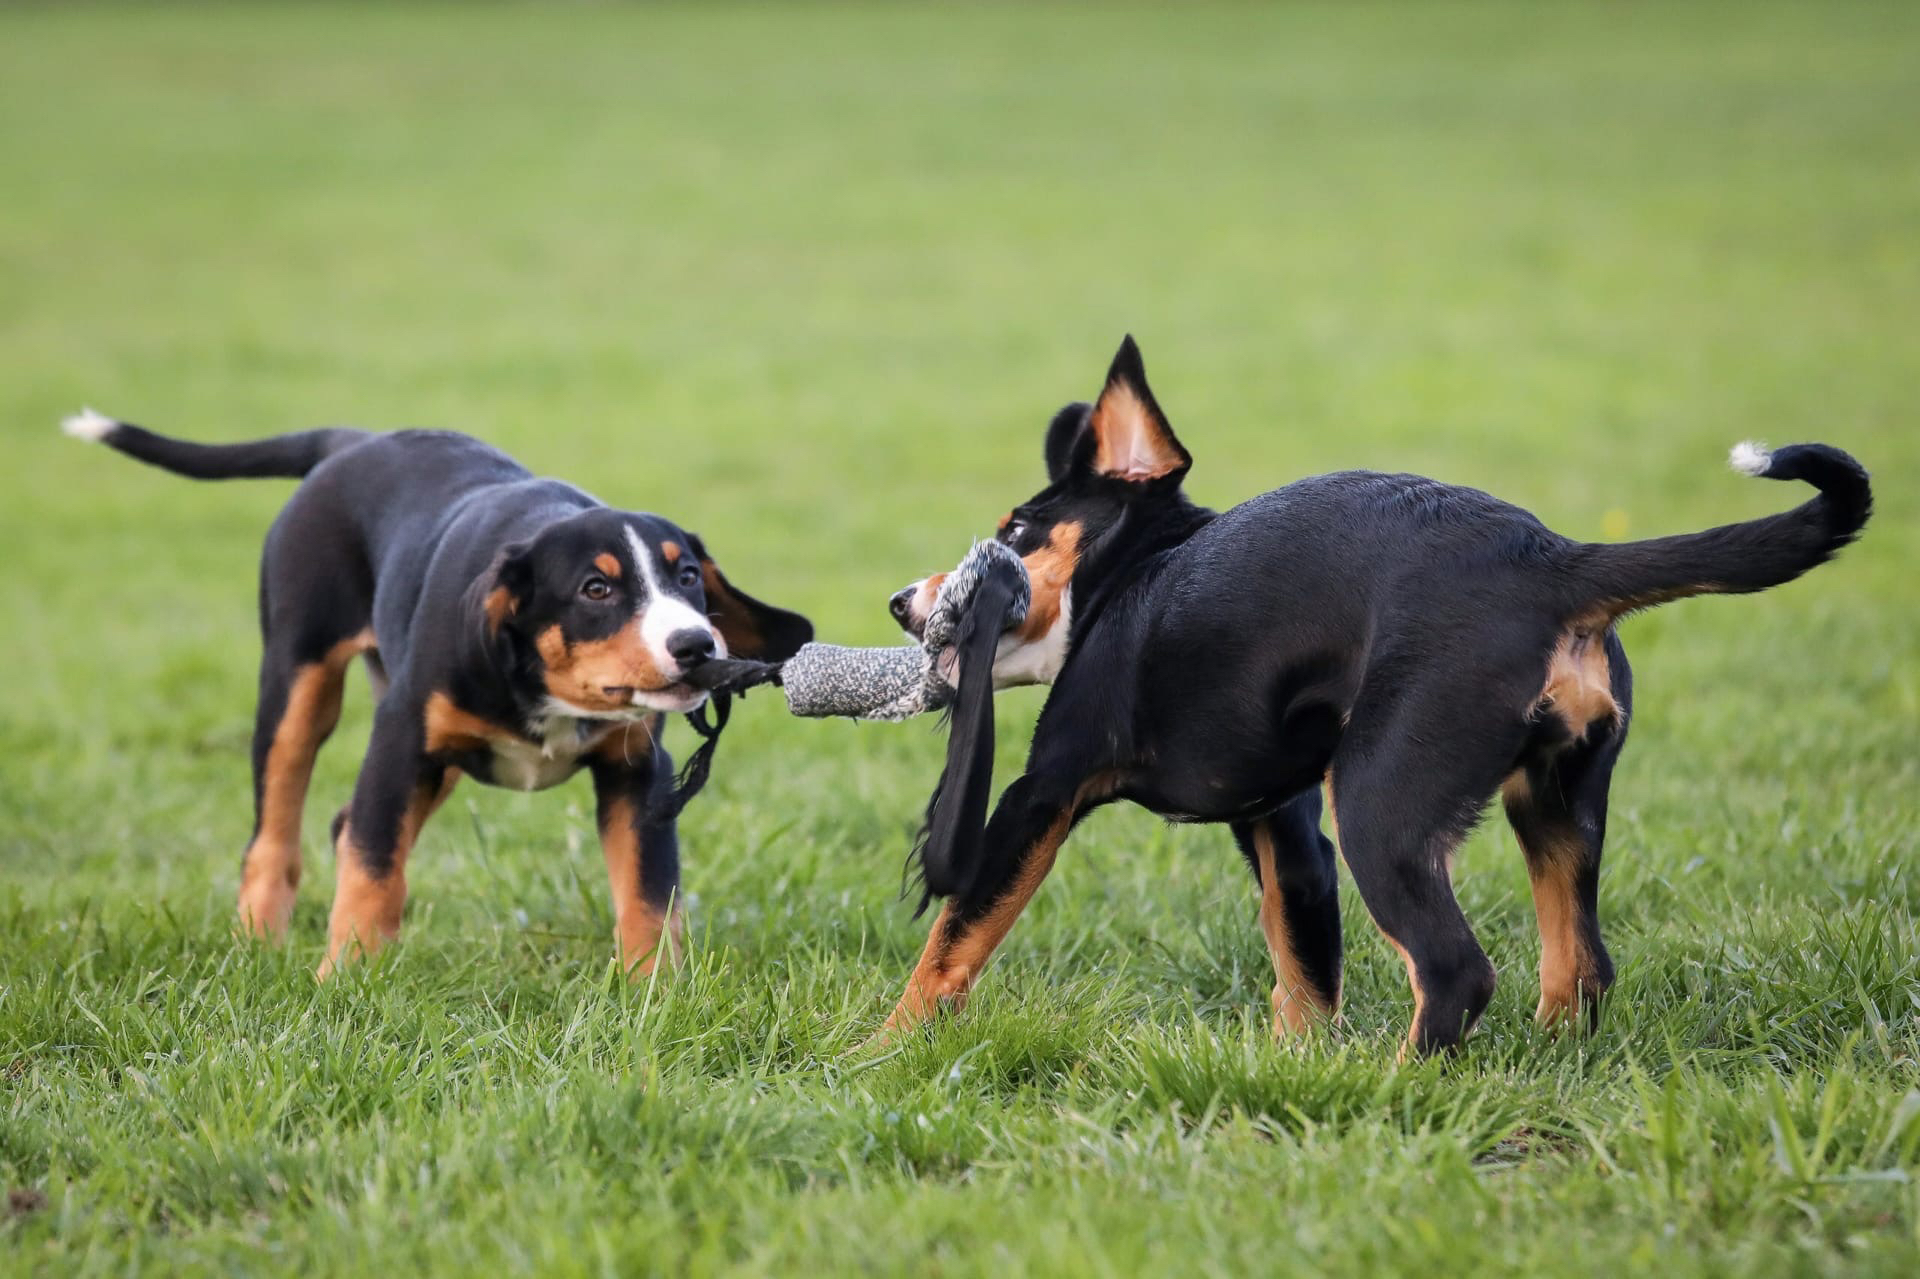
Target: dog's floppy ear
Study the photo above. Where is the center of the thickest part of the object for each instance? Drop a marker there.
(1130, 437)
(506, 587)
(750, 628)
(950, 843)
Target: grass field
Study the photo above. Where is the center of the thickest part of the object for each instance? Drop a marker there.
(811, 281)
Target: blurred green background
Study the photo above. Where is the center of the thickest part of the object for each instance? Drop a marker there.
(810, 280)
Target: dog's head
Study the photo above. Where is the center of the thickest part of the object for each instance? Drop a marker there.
(610, 611)
(1114, 467)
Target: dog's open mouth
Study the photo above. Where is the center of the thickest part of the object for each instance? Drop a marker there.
(679, 697)
(731, 675)
(631, 702)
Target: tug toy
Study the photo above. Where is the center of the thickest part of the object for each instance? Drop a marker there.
(951, 669)
(824, 680)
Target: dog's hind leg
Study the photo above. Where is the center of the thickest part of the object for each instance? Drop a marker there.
(1299, 910)
(314, 618)
(1560, 821)
(1557, 804)
(1409, 781)
(300, 693)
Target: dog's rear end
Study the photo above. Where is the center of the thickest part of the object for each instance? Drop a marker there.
(1413, 645)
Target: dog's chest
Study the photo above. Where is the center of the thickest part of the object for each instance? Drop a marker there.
(520, 764)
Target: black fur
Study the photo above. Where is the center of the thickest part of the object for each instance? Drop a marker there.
(947, 850)
(1414, 645)
(505, 620)
(1736, 558)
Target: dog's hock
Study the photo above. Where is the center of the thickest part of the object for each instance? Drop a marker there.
(824, 680)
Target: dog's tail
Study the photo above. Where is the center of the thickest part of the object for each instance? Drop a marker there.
(288, 456)
(1734, 559)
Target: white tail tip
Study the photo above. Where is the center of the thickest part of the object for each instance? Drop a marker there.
(1750, 458)
(88, 425)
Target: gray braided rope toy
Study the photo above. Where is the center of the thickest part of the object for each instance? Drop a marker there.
(898, 683)
(825, 680)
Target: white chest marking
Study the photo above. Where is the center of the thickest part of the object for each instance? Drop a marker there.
(1016, 664)
(530, 766)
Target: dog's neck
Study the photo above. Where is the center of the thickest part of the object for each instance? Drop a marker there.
(1145, 534)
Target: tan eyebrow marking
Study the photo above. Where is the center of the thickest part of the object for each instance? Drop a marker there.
(607, 563)
(670, 551)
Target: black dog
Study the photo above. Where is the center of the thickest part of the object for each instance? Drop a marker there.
(1414, 645)
(514, 629)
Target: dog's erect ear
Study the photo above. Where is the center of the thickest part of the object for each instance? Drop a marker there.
(506, 587)
(750, 628)
(1067, 435)
(1131, 438)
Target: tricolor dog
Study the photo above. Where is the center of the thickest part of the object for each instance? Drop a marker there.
(1415, 646)
(515, 631)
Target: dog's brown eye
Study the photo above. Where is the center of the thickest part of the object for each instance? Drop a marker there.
(1013, 532)
(689, 575)
(596, 588)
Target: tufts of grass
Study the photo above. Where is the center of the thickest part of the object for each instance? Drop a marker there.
(811, 282)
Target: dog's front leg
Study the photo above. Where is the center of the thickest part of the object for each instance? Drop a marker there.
(397, 790)
(643, 856)
(1023, 836)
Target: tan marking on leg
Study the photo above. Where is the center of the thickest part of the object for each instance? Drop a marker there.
(1297, 1006)
(1555, 907)
(1445, 857)
(949, 965)
(367, 907)
(270, 868)
(1419, 992)
(1567, 970)
(1413, 974)
(646, 933)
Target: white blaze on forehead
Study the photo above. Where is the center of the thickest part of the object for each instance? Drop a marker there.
(662, 614)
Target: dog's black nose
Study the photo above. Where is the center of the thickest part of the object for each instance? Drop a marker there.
(690, 647)
(901, 604)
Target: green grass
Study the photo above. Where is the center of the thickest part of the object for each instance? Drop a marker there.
(810, 282)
